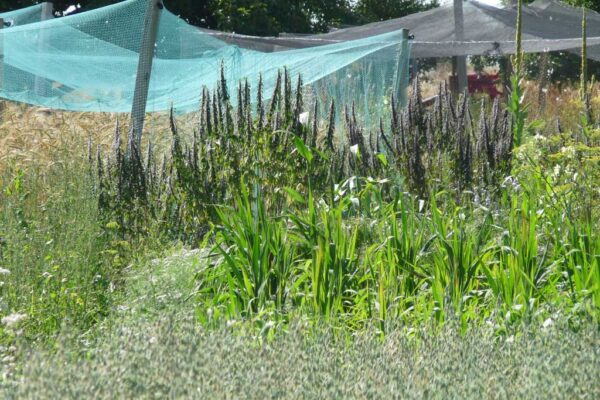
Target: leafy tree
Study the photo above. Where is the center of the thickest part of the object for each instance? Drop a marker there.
(591, 4)
(258, 17)
(266, 17)
(379, 10)
(560, 66)
(196, 12)
(270, 17)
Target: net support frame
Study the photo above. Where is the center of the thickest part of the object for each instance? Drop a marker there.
(401, 91)
(1, 55)
(47, 13)
(47, 10)
(144, 71)
(459, 32)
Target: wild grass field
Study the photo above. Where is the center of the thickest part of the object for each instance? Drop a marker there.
(249, 251)
(153, 347)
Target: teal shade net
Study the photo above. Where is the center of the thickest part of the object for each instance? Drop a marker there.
(88, 62)
(23, 16)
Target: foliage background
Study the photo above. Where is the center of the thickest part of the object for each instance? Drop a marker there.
(266, 17)
(270, 17)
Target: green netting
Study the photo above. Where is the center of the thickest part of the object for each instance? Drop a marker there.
(23, 16)
(88, 62)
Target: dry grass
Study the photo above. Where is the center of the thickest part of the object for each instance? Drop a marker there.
(33, 135)
(553, 103)
(562, 102)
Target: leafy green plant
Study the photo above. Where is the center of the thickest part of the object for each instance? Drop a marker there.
(58, 263)
(257, 259)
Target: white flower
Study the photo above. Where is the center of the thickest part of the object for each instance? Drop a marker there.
(569, 170)
(323, 204)
(352, 183)
(4, 271)
(548, 323)
(13, 319)
(569, 151)
(557, 170)
(355, 202)
(303, 118)
(354, 149)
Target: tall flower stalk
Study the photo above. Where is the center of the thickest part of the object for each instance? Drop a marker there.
(584, 77)
(516, 104)
(518, 60)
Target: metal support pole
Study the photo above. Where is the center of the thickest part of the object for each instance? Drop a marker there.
(47, 11)
(543, 81)
(142, 81)
(403, 66)
(1, 55)
(459, 35)
(41, 87)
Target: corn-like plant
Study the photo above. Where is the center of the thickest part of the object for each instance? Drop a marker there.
(257, 260)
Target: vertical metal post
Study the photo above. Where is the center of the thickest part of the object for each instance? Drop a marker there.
(40, 86)
(459, 35)
(543, 80)
(144, 71)
(1, 55)
(401, 54)
(403, 64)
(404, 67)
(47, 10)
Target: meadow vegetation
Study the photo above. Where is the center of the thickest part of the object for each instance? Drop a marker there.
(153, 346)
(435, 212)
(464, 225)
